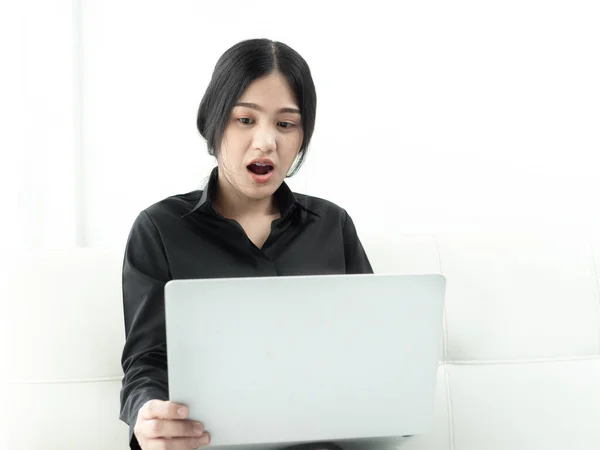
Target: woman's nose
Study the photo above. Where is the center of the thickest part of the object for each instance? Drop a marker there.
(264, 139)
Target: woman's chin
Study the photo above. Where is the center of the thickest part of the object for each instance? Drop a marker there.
(259, 192)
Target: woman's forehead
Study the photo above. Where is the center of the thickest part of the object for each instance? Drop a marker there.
(270, 92)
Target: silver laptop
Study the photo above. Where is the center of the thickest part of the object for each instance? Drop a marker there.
(272, 362)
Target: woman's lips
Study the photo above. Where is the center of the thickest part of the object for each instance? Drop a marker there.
(261, 175)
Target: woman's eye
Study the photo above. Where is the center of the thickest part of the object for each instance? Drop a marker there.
(245, 120)
(286, 124)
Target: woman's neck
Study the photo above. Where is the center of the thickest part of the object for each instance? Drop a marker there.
(234, 205)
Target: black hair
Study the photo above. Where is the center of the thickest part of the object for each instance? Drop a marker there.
(236, 69)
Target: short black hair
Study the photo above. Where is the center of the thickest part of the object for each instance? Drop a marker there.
(236, 69)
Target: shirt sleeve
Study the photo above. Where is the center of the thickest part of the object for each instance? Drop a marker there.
(144, 358)
(354, 253)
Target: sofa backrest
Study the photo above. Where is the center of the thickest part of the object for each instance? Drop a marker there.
(521, 351)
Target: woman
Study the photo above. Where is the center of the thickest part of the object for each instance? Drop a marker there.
(257, 116)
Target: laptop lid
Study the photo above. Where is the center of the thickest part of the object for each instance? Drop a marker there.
(276, 361)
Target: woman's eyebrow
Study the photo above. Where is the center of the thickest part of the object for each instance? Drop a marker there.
(258, 108)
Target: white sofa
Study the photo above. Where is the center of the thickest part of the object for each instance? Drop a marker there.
(521, 352)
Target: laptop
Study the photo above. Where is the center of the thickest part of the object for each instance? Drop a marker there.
(271, 362)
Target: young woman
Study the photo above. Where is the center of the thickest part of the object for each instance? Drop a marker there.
(257, 116)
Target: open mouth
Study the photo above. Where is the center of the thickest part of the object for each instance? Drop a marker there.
(260, 168)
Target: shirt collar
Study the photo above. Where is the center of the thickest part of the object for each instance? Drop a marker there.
(286, 199)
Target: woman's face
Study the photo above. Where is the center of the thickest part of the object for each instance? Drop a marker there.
(262, 138)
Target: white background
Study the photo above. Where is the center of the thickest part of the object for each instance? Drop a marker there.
(432, 116)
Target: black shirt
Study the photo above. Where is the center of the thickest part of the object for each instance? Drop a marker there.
(184, 237)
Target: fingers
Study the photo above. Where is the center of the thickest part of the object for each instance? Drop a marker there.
(160, 409)
(165, 428)
(178, 443)
(163, 425)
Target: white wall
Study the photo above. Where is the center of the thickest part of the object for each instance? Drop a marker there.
(432, 115)
(39, 123)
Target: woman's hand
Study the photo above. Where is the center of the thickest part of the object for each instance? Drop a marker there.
(162, 425)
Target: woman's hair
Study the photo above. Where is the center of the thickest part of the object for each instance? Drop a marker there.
(236, 69)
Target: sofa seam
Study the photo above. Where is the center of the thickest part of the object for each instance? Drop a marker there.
(595, 270)
(68, 380)
(484, 362)
(445, 355)
(449, 403)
